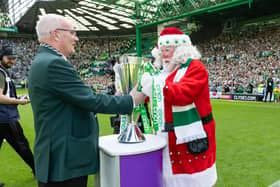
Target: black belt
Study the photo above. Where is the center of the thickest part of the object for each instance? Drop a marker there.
(205, 120)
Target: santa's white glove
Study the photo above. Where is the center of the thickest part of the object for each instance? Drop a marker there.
(146, 83)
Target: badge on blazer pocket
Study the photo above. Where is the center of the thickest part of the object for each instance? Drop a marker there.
(198, 146)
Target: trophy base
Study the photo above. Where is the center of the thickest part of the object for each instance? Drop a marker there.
(131, 134)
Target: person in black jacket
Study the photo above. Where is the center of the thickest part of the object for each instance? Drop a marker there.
(269, 88)
(10, 128)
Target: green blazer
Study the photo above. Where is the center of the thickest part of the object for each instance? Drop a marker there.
(66, 143)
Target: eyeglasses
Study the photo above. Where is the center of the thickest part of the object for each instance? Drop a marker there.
(73, 32)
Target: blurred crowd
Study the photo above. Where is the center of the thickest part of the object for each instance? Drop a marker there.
(25, 49)
(92, 59)
(94, 63)
(237, 62)
(240, 62)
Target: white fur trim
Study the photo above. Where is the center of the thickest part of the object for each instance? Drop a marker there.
(205, 178)
(180, 73)
(183, 53)
(174, 40)
(183, 108)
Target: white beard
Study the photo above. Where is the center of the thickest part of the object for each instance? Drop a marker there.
(169, 67)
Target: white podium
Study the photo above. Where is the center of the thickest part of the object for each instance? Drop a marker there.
(131, 165)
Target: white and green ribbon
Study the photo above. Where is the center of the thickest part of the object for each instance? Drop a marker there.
(145, 120)
(124, 122)
(154, 108)
(157, 103)
(145, 67)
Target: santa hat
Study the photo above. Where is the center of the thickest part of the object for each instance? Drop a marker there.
(172, 36)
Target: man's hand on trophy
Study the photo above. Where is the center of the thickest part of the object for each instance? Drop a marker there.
(138, 97)
(146, 83)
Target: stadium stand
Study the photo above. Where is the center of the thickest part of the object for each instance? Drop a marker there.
(237, 62)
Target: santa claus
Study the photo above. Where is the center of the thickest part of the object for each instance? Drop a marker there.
(182, 112)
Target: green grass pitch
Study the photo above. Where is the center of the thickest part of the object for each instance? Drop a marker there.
(248, 148)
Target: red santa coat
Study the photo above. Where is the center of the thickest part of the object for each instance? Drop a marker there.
(193, 87)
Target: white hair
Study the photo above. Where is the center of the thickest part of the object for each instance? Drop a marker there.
(180, 56)
(48, 23)
(183, 52)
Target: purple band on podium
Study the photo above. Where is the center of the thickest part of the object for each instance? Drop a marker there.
(145, 168)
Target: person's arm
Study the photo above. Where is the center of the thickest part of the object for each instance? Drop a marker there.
(5, 99)
(65, 83)
(184, 92)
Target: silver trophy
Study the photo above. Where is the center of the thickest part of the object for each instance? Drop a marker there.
(127, 74)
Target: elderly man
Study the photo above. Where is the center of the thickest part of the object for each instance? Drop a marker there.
(66, 144)
(10, 128)
(186, 119)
